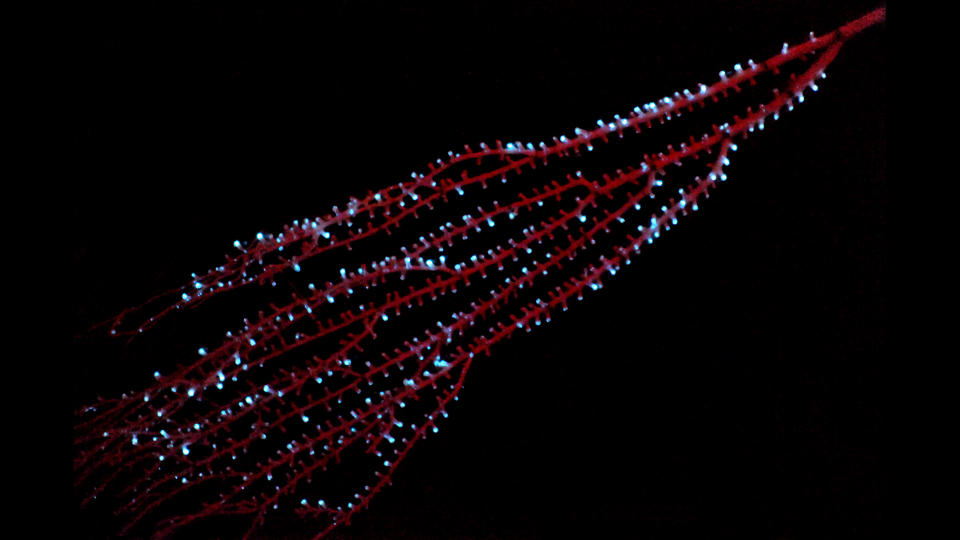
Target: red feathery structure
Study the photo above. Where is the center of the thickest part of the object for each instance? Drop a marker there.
(315, 403)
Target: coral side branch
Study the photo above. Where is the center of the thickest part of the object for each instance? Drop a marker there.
(396, 203)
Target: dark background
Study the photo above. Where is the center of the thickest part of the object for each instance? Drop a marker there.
(728, 384)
